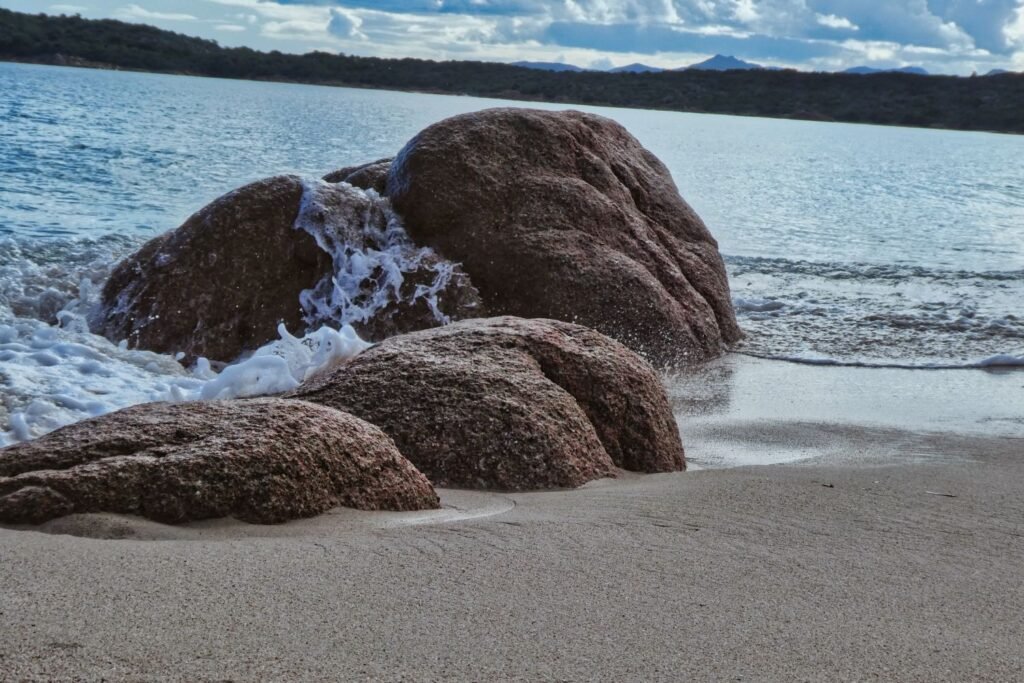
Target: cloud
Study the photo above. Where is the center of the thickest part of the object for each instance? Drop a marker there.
(344, 25)
(832, 21)
(68, 9)
(942, 35)
(136, 12)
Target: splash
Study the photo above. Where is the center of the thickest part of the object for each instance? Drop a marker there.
(373, 257)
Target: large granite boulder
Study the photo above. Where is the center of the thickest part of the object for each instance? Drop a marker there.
(509, 403)
(261, 460)
(565, 215)
(220, 284)
(271, 252)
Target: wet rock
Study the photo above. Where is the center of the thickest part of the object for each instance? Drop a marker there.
(262, 460)
(565, 215)
(509, 403)
(219, 285)
(371, 176)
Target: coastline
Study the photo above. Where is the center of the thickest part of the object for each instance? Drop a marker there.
(511, 97)
(884, 552)
(837, 522)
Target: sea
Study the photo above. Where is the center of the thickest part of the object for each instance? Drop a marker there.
(881, 249)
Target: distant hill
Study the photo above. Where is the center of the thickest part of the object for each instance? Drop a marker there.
(636, 69)
(993, 104)
(865, 70)
(998, 72)
(548, 66)
(723, 63)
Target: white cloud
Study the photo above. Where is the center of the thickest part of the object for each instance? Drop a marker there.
(1014, 29)
(230, 28)
(296, 28)
(136, 12)
(832, 21)
(345, 25)
(746, 12)
(68, 9)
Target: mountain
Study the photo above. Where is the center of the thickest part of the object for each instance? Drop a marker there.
(636, 69)
(865, 70)
(996, 72)
(722, 63)
(548, 66)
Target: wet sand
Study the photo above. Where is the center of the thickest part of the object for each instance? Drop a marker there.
(884, 553)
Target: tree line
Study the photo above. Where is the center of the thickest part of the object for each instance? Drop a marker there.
(992, 103)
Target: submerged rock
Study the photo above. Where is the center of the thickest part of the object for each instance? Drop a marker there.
(371, 176)
(565, 215)
(509, 403)
(279, 250)
(262, 461)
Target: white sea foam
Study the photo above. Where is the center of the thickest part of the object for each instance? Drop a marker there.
(53, 371)
(998, 361)
(55, 375)
(372, 256)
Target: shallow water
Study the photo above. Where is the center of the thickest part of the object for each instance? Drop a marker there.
(739, 410)
(845, 244)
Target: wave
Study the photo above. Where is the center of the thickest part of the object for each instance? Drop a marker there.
(863, 314)
(896, 272)
(999, 361)
(54, 371)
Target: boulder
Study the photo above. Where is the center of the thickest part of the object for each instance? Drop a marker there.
(371, 176)
(220, 284)
(262, 460)
(565, 215)
(508, 403)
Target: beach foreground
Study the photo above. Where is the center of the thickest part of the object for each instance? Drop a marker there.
(902, 566)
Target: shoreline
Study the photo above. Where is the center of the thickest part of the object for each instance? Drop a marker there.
(881, 551)
(501, 97)
(813, 571)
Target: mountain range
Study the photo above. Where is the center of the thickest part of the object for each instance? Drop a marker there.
(717, 63)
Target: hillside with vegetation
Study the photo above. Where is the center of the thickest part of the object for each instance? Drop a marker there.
(992, 103)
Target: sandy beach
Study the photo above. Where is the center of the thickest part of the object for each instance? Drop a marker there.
(893, 554)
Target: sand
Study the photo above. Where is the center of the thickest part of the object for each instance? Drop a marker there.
(885, 553)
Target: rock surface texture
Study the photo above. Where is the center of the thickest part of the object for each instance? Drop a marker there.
(508, 403)
(221, 283)
(565, 215)
(371, 176)
(261, 460)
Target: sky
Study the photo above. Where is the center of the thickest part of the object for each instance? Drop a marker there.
(943, 36)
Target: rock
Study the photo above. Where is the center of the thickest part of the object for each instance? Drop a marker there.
(219, 285)
(565, 215)
(262, 460)
(509, 403)
(371, 176)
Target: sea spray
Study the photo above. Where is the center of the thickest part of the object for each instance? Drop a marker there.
(372, 253)
(54, 371)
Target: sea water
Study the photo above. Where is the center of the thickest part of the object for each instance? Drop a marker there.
(845, 244)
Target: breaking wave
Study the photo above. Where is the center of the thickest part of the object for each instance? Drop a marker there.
(54, 371)
(892, 315)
